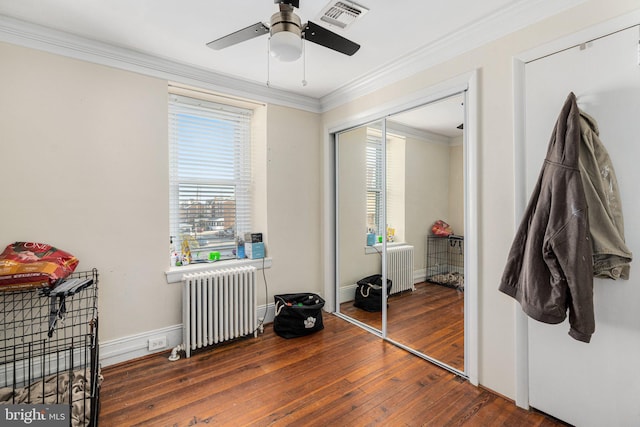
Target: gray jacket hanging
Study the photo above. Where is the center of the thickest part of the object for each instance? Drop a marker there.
(611, 257)
(549, 267)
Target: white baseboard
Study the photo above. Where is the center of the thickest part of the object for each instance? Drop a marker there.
(348, 293)
(135, 346)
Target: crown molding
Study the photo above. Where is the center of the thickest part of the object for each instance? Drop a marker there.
(41, 38)
(519, 15)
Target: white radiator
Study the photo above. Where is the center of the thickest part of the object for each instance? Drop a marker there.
(400, 268)
(218, 305)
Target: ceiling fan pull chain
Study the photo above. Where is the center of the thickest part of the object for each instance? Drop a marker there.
(304, 62)
(268, 61)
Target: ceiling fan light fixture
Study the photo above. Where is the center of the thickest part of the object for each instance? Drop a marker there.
(285, 42)
(285, 46)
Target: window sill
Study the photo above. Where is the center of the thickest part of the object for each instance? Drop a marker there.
(377, 248)
(174, 274)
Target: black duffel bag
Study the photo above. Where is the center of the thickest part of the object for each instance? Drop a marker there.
(369, 293)
(297, 314)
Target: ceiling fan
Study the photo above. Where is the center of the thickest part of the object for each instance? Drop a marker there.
(286, 34)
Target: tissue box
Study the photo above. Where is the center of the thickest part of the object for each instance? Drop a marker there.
(254, 250)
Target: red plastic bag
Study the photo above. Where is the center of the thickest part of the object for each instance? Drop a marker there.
(26, 265)
(441, 229)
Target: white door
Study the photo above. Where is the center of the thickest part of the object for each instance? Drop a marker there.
(595, 384)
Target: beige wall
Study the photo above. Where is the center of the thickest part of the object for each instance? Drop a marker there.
(85, 168)
(293, 201)
(427, 189)
(496, 174)
(456, 187)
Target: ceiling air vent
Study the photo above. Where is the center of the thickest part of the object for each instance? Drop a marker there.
(342, 13)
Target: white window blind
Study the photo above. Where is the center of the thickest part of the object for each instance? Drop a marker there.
(374, 182)
(210, 173)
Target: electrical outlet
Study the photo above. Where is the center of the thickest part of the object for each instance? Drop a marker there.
(157, 343)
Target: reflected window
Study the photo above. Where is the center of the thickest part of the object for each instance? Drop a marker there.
(374, 172)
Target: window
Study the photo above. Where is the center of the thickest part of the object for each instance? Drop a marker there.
(210, 174)
(374, 181)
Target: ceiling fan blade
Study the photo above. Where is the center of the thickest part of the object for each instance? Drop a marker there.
(320, 35)
(239, 36)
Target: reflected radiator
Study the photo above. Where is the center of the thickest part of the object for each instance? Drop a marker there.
(218, 306)
(400, 268)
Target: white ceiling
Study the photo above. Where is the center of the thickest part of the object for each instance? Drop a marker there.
(441, 117)
(395, 35)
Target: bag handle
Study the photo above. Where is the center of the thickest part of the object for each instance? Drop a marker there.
(278, 308)
(362, 291)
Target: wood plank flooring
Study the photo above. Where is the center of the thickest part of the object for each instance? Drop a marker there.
(429, 319)
(340, 376)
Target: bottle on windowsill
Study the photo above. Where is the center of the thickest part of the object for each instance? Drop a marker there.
(240, 249)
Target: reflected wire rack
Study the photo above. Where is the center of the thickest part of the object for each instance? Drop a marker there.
(445, 261)
(50, 336)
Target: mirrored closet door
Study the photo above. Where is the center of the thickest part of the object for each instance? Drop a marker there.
(395, 178)
(425, 184)
(359, 206)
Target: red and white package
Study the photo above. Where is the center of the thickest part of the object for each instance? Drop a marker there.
(28, 265)
(441, 229)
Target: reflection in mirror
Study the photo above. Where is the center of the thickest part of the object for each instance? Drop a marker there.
(359, 205)
(425, 183)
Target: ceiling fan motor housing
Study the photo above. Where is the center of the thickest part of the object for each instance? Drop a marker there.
(286, 35)
(286, 21)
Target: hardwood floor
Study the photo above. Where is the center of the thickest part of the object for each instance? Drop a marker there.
(429, 319)
(340, 376)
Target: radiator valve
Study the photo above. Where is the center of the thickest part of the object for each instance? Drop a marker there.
(174, 353)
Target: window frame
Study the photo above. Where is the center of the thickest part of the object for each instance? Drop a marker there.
(236, 173)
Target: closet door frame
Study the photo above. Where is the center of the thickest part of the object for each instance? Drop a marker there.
(467, 83)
